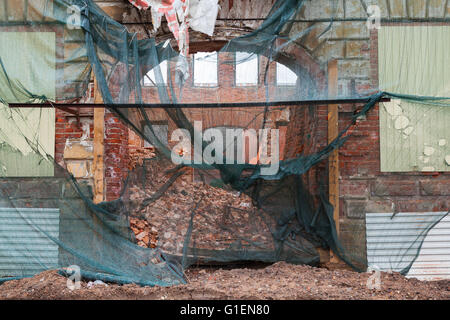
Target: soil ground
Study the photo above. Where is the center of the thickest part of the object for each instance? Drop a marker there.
(277, 281)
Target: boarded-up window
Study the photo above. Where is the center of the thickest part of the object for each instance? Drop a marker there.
(27, 136)
(414, 60)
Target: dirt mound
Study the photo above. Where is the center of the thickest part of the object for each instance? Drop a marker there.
(278, 281)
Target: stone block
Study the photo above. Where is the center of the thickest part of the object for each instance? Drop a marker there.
(354, 68)
(15, 9)
(355, 209)
(354, 188)
(395, 188)
(356, 49)
(436, 8)
(330, 50)
(435, 187)
(321, 9)
(417, 8)
(354, 9)
(350, 29)
(379, 206)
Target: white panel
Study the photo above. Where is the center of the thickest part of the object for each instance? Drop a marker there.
(388, 238)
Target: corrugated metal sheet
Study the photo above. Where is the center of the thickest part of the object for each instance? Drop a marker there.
(24, 247)
(391, 241)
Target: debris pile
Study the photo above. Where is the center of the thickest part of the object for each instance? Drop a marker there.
(221, 219)
(146, 236)
(278, 281)
(137, 157)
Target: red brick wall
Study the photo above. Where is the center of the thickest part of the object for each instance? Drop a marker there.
(119, 142)
(116, 148)
(307, 134)
(226, 92)
(363, 187)
(65, 130)
(116, 155)
(135, 142)
(229, 92)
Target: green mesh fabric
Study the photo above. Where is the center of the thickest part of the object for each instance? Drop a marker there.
(287, 221)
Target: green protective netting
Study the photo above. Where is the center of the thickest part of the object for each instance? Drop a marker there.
(214, 212)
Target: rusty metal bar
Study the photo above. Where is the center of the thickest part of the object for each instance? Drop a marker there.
(200, 105)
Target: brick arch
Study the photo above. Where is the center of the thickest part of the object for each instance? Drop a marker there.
(312, 81)
(296, 59)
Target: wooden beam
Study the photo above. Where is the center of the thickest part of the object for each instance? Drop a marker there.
(99, 148)
(333, 160)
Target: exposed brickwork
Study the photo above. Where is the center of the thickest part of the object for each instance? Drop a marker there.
(116, 147)
(66, 127)
(435, 187)
(374, 59)
(135, 142)
(363, 188)
(227, 91)
(119, 140)
(116, 155)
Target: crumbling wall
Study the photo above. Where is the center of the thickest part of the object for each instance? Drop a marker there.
(74, 149)
(227, 91)
(116, 155)
(363, 188)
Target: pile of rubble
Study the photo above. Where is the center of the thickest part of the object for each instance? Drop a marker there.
(221, 219)
(277, 281)
(137, 157)
(145, 235)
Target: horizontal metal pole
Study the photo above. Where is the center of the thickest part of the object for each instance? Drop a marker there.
(199, 105)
